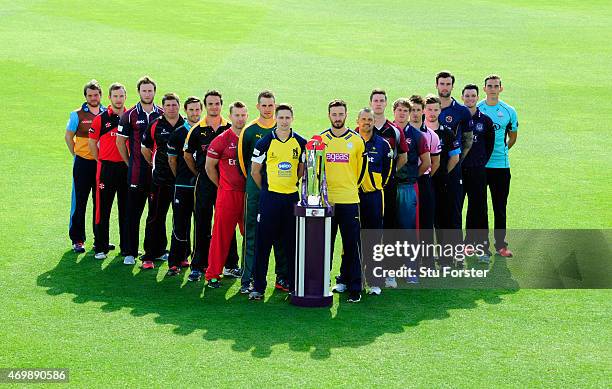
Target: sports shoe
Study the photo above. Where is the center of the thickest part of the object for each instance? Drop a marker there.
(129, 260)
(195, 276)
(214, 283)
(147, 265)
(100, 256)
(375, 290)
(173, 271)
(484, 258)
(233, 273)
(246, 289)
(184, 264)
(282, 285)
(354, 297)
(255, 296)
(412, 280)
(390, 282)
(78, 247)
(339, 288)
(162, 258)
(505, 252)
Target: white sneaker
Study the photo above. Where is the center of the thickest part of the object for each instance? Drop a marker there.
(129, 260)
(375, 290)
(339, 288)
(390, 282)
(100, 256)
(163, 257)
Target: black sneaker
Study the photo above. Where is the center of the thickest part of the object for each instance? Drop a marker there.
(354, 297)
(173, 271)
(78, 247)
(195, 276)
(233, 273)
(282, 285)
(246, 289)
(255, 296)
(214, 283)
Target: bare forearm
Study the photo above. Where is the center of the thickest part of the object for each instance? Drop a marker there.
(401, 161)
(425, 163)
(452, 162)
(172, 162)
(93, 147)
(146, 153)
(435, 164)
(211, 171)
(256, 173)
(512, 139)
(69, 138)
(122, 148)
(190, 163)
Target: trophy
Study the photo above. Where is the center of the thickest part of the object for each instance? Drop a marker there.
(313, 233)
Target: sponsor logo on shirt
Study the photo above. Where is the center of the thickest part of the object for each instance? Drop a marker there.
(284, 166)
(140, 121)
(449, 119)
(86, 121)
(337, 157)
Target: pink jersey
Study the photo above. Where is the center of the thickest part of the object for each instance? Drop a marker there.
(225, 148)
(433, 141)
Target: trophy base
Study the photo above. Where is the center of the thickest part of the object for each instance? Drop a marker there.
(312, 301)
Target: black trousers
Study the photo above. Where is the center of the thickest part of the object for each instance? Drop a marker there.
(136, 199)
(111, 180)
(205, 198)
(444, 223)
(427, 209)
(390, 203)
(476, 220)
(182, 212)
(156, 239)
(455, 193)
(498, 180)
(83, 183)
(346, 218)
(275, 225)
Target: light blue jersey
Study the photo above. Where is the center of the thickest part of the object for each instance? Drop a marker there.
(504, 120)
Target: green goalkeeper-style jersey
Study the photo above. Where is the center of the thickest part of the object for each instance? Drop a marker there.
(252, 133)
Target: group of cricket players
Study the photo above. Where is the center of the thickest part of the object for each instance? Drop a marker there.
(410, 173)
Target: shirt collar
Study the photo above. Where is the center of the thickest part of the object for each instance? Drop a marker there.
(85, 107)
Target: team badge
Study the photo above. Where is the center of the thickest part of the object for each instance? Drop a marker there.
(500, 114)
(449, 119)
(349, 145)
(479, 127)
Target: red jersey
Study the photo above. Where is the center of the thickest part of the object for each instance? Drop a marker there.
(104, 130)
(225, 148)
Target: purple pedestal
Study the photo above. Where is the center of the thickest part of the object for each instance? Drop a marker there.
(312, 257)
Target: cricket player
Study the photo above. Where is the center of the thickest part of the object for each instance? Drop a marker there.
(111, 176)
(195, 151)
(84, 165)
(449, 157)
(155, 150)
(182, 201)
(223, 171)
(256, 130)
(505, 122)
(395, 137)
(277, 165)
(134, 123)
(345, 167)
(380, 163)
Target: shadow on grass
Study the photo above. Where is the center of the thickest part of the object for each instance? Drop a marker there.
(257, 326)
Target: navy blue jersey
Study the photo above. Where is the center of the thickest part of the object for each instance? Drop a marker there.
(133, 124)
(417, 145)
(449, 146)
(457, 117)
(380, 160)
(483, 134)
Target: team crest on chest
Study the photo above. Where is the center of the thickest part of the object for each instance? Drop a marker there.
(449, 119)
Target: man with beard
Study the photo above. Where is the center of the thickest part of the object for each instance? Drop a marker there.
(195, 150)
(155, 149)
(345, 166)
(132, 126)
(182, 202)
(111, 176)
(84, 165)
(222, 170)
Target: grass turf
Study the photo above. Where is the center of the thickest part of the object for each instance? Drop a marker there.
(113, 326)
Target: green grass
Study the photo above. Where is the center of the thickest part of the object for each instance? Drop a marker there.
(113, 327)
